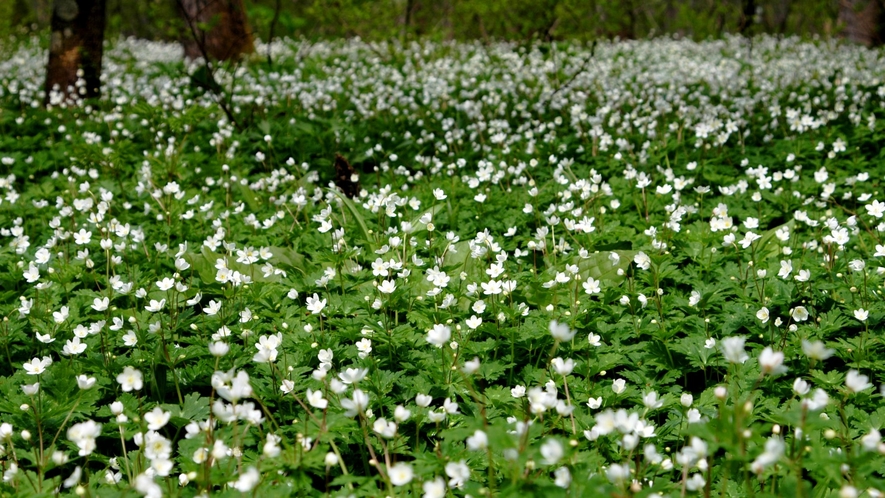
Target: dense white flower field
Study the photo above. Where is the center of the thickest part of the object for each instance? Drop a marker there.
(623, 269)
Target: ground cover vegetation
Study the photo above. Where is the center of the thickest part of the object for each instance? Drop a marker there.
(648, 268)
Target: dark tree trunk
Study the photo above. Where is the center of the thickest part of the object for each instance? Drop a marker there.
(43, 10)
(76, 44)
(781, 15)
(862, 20)
(410, 6)
(20, 13)
(217, 29)
(749, 11)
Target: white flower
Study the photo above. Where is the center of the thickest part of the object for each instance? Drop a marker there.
(130, 379)
(642, 260)
(819, 400)
(326, 355)
(871, 440)
(435, 488)
(816, 350)
(591, 286)
(157, 418)
(619, 385)
(36, 366)
(401, 413)
(861, 314)
(695, 482)
(83, 435)
(563, 367)
(357, 404)
(316, 400)
(651, 401)
(218, 348)
(82, 237)
(771, 362)
(384, 428)
(471, 366)
(774, 450)
(857, 382)
(439, 335)
(212, 308)
(74, 478)
(286, 386)
(232, 387)
(155, 305)
(450, 406)
(130, 338)
(364, 348)
(561, 331)
(32, 274)
(562, 477)
(749, 238)
(552, 451)
(875, 208)
(400, 474)
(84, 382)
(247, 480)
(353, 375)
(165, 284)
(478, 441)
(194, 300)
(733, 349)
(786, 269)
(473, 322)
(762, 314)
(315, 305)
(61, 315)
(594, 339)
(387, 287)
(73, 347)
(617, 473)
(799, 313)
(848, 491)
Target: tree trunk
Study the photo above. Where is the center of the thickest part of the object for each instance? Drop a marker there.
(20, 13)
(862, 20)
(781, 15)
(43, 10)
(76, 44)
(749, 11)
(217, 29)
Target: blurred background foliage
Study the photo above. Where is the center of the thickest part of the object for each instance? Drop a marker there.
(518, 20)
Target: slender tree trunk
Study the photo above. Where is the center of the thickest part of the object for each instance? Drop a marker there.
(76, 44)
(781, 16)
(217, 29)
(862, 20)
(410, 5)
(749, 11)
(42, 8)
(20, 13)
